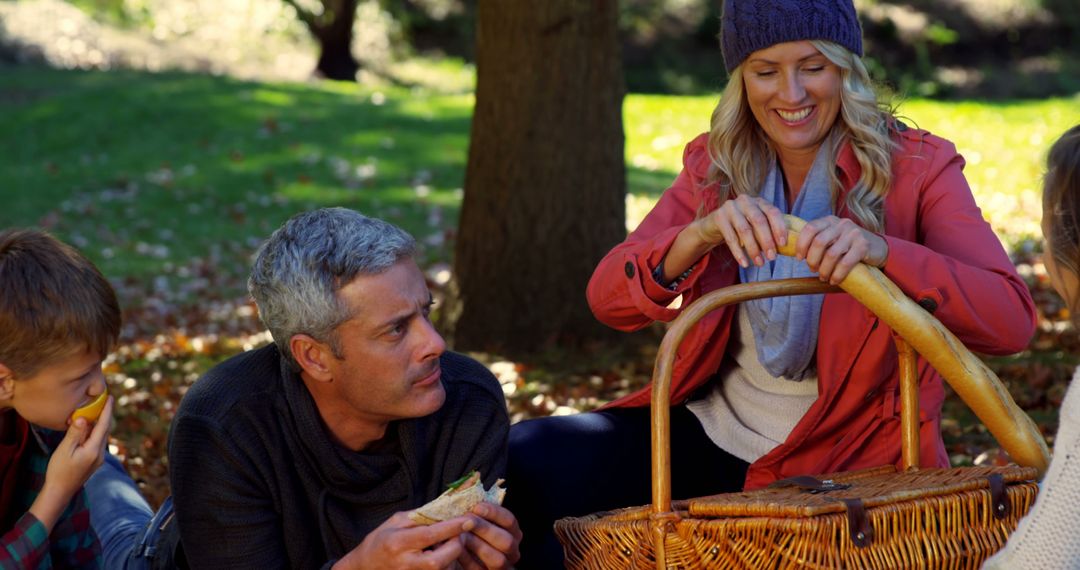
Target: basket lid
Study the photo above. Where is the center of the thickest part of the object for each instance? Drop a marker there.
(874, 487)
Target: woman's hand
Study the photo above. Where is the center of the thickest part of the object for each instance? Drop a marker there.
(751, 227)
(832, 246)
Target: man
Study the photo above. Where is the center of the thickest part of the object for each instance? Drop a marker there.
(306, 453)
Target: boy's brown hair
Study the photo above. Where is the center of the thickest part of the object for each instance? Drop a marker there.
(53, 303)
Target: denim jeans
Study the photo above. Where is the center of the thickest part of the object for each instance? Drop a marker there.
(126, 526)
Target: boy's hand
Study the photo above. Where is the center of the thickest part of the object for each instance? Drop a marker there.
(79, 454)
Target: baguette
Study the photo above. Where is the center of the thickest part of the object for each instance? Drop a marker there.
(968, 376)
(459, 498)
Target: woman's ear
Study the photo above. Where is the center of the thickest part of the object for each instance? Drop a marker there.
(7, 384)
(312, 356)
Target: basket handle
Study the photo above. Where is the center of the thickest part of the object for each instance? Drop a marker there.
(976, 384)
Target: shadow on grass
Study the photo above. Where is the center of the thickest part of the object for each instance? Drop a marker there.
(164, 178)
(141, 170)
(146, 172)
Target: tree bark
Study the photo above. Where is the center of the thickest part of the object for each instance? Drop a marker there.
(545, 185)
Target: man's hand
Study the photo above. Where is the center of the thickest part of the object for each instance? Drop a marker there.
(494, 543)
(399, 543)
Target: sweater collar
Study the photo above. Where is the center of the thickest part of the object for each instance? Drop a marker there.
(355, 491)
(368, 475)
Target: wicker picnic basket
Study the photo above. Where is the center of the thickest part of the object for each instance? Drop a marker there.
(874, 518)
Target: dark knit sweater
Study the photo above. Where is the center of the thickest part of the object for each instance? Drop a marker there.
(258, 483)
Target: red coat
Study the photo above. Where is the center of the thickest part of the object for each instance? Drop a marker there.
(941, 251)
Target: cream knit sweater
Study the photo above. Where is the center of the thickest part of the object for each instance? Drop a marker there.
(749, 412)
(1049, 536)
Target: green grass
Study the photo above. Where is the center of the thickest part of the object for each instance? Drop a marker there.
(141, 169)
(1004, 144)
(147, 172)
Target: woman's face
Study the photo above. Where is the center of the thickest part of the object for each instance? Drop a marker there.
(794, 92)
(1064, 281)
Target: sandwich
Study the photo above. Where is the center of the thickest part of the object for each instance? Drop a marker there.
(459, 498)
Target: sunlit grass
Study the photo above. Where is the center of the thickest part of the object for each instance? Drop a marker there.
(1004, 144)
(146, 172)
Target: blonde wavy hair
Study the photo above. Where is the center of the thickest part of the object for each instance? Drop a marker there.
(741, 153)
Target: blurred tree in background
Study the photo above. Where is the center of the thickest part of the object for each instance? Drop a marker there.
(941, 48)
(331, 24)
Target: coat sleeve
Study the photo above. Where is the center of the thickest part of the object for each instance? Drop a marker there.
(226, 518)
(957, 267)
(622, 293)
(25, 545)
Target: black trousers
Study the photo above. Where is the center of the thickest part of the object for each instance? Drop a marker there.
(575, 465)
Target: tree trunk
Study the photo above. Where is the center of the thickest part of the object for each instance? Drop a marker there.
(336, 60)
(545, 186)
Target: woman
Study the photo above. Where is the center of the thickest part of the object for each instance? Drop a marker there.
(787, 386)
(1046, 537)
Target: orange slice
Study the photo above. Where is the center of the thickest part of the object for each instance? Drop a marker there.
(92, 410)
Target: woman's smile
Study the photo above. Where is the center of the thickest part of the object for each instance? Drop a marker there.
(795, 117)
(793, 91)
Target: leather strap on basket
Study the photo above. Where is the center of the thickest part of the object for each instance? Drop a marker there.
(862, 534)
(859, 528)
(808, 483)
(999, 498)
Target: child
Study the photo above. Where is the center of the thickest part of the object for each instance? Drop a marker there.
(1046, 537)
(60, 506)
(58, 319)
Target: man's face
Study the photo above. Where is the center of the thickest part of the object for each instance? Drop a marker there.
(48, 397)
(389, 365)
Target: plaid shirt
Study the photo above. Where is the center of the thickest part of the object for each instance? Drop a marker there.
(72, 543)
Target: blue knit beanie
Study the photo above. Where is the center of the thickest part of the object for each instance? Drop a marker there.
(750, 25)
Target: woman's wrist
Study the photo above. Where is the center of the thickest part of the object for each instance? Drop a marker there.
(689, 247)
(703, 243)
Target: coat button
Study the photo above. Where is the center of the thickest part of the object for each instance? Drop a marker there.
(929, 304)
(629, 267)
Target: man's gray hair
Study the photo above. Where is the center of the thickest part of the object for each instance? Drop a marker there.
(299, 270)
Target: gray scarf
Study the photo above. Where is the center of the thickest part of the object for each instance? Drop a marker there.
(786, 328)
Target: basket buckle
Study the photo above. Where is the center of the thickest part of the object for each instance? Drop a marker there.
(999, 497)
(829, 485)
(811, 484)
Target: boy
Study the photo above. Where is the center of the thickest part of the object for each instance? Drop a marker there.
(59, 317)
